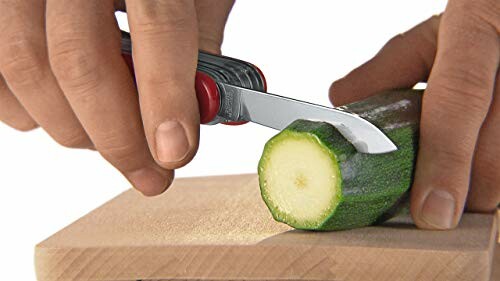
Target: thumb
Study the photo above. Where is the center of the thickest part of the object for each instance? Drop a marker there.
(404, 61)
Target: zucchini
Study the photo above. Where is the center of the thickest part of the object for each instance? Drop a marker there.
(312, 178)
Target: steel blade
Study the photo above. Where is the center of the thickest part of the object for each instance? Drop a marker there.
(278, 112)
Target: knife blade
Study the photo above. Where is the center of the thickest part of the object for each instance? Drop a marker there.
(278, 112)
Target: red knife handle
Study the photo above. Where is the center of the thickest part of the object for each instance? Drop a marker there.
(211, 70)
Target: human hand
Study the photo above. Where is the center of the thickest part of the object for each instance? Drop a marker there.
(61, 69)
(459, 147)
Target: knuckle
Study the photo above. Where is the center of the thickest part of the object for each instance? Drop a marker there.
(451, 166)
(175, 82)
(125, 155)
(210, 43)
(462, 104)
(84, 97)
(398, 39)
(453, 154)
(463, 93)
(23, 61)
(74, 140)
(151, 29)
(458, 157)
(454, 159)
(419, 43)
(75, 68)
(163, 17)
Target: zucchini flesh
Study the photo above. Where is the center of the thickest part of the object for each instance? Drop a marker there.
(312, 178)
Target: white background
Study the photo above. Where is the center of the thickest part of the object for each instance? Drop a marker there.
(301, 46)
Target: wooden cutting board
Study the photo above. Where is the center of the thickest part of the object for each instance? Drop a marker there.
(217, 228)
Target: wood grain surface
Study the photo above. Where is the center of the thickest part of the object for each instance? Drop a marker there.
(217, 228)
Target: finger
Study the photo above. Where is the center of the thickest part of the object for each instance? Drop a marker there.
(454, 107)
(165, 56)
(212, 17)
(12, 112)
(484, 195)
(84, 52)
(404, 61)
(25, 66)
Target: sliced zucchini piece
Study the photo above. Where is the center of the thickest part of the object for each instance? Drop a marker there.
(312, 178)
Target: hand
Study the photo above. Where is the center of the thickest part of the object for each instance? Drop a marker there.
(459, 146)
(61, 69)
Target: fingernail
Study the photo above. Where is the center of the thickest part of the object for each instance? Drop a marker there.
(438, 209)
(171, 142)
(149, 181)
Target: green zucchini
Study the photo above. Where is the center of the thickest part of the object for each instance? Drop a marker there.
(312, 178)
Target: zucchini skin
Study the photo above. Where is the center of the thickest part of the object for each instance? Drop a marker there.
(374, 187)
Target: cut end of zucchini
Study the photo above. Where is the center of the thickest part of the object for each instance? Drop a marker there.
(300, 180)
